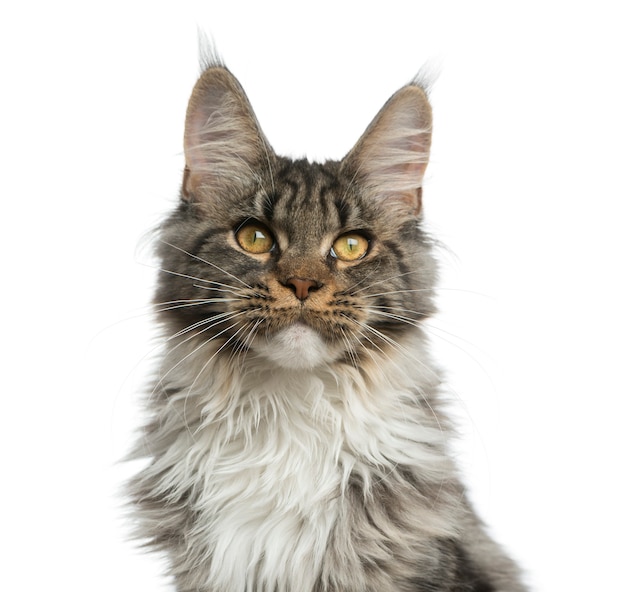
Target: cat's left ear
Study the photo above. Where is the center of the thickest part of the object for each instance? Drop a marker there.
(224, 144)
(389, 160)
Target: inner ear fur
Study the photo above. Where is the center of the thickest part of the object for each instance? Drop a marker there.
(390, 158)
(224, 144)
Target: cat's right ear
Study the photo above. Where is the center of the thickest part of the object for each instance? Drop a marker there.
(224, 144)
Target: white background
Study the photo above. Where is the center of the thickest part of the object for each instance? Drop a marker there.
(526, 189)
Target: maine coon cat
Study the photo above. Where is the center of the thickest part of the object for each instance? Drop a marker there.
(296, 439)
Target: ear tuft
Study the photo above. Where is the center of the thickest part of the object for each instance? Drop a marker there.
(207, 50)
(390, 158)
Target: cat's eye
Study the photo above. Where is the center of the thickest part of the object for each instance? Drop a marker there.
(255, 238)
(350, 247)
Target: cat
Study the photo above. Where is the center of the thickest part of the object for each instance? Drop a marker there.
(296, 439)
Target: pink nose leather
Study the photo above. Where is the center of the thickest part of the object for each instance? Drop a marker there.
(301, 287)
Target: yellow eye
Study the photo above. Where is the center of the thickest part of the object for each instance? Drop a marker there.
(350, 247)
(255, 238)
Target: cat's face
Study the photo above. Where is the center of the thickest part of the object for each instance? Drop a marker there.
(300, 263)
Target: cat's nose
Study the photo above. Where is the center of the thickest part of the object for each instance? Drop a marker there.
(302, 286)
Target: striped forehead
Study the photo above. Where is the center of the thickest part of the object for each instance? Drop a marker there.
(307, 193)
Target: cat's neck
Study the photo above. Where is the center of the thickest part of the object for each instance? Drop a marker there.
(384, 411)
(205, 369)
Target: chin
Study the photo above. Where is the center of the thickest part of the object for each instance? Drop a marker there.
(298, 347)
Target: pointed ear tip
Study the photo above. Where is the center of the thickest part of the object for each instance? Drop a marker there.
(414, 92)
(215, 83)
(412, 101)
(215, 73)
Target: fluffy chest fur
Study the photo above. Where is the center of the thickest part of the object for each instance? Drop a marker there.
(264, 462)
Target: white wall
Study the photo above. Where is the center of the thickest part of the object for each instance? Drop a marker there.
(525, 188)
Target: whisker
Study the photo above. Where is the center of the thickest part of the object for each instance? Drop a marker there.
(385, 280)
(397, 317)
(178, 304)
(210, 322)
(208, 263)
(149, 310)
(350, 290)
(226, 318)
(204, 366)
(404, 351)
(375, 345)
(405, 291)
(179, 274)
(435, 289)
(398, 347)
(181, 301)
(161, 381)
(429, 327)
(243, 345)
(350, 349)
(234, 291)
(410, 321)
(385, 338)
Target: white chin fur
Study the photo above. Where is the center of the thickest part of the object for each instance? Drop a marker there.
(297, 347)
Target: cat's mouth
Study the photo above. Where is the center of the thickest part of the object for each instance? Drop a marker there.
(302, 320)
(301, 333)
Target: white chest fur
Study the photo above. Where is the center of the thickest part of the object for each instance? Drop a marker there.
(270, 452)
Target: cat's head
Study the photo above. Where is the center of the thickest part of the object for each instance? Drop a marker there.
(300, 263)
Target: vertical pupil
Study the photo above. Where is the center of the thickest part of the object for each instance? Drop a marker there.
(352, 243)
(258, 235)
